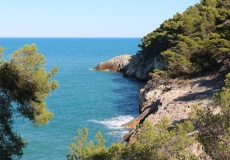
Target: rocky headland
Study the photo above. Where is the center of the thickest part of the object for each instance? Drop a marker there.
(118, 63)
(183, 65)
(159, 98)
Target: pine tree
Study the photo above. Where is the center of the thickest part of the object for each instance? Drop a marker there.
(24, 86)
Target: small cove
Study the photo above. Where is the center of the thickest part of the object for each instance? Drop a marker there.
(93, 99)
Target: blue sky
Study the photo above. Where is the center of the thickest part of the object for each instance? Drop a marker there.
(86, 18)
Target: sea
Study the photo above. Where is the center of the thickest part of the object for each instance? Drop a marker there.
(97, 100)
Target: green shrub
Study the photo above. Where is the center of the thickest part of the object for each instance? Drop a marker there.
(153, 143)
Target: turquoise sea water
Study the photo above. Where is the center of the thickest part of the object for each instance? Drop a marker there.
(96, 100)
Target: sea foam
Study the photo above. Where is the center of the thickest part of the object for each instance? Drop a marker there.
(115, 122)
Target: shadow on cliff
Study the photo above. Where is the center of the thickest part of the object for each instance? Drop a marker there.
(139, 67)
(212, 86)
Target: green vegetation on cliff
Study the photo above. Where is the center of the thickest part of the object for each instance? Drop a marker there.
(193, 42)
(152, 143)
(215, 128)
(24, 86)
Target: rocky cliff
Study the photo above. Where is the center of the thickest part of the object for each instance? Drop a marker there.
(174, 99)
(140, 65)
(137, 66)
(159, 98)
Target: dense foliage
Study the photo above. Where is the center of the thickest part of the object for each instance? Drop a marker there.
(215, 128)
(24, 85)
(152, 143)
(196, 41)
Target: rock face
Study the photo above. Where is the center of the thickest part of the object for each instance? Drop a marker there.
(140, 65)
(137, 66)
(115, 64)
(174, 100)
(149, 101)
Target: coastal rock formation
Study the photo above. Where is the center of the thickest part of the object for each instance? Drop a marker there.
(115, 64)
(149, 100)
(174, 100)
(137, 66)
(160, 98)
(140, 65)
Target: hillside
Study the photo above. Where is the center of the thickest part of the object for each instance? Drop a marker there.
(188, 44)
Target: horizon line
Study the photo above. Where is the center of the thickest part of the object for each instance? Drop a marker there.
(71, 37)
